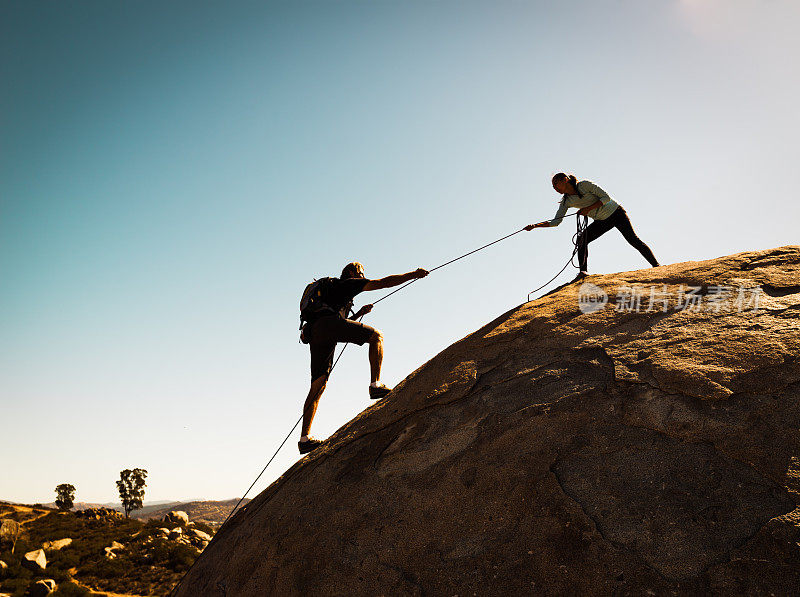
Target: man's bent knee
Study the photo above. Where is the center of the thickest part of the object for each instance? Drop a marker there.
(376, 337)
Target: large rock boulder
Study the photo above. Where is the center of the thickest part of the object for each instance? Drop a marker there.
(42, 588)
(56, 545)
(200, 535)
(177, 517)
(575, 445)
(35, 560)
(110, 552)
(199, 538)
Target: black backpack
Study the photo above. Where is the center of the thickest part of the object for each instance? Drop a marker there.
(313, 301)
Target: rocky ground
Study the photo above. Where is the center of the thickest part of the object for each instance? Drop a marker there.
(94, 551)
(637, 436)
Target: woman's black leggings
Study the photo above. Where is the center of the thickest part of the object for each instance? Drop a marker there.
(619, 220)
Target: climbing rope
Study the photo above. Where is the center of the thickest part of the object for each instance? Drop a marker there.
(406, 285)
(175, 588)
(575, 239)
(281, 446)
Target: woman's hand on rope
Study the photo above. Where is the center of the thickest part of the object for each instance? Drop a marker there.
(420, 273)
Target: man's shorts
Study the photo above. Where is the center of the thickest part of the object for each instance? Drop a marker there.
(323, 335)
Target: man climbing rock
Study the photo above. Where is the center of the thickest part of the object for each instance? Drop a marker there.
(325, 309)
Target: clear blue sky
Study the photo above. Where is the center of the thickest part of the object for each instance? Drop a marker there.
(173, 174)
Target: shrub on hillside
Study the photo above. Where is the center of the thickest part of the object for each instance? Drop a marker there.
(71, 589)
(18, 577)
(181, 557)
(16, 587)
(102, 567)
(201, 526)
(63, 559)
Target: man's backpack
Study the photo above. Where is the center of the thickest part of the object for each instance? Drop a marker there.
(313, 301)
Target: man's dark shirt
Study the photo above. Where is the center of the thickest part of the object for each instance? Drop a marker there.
(340, 295)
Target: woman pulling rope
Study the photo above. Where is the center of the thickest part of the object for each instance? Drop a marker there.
(606, 213)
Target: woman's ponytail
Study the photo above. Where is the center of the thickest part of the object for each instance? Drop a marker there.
(561, 176)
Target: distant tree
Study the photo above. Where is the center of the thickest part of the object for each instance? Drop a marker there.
(65, 496)
(131, 489)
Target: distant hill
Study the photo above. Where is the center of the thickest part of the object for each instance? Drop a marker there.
(208, 512)
(84, 505)
(148, 506)
(145, 512)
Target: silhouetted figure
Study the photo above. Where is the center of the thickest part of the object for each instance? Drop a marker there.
(325, 308)
(595, 203)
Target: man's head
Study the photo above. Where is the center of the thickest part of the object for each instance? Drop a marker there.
(353, 270)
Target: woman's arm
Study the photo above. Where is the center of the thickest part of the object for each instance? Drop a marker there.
(562, 209)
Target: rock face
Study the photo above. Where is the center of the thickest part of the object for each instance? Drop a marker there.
(560, 450)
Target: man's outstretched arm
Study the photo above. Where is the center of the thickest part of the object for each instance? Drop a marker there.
(395, 280)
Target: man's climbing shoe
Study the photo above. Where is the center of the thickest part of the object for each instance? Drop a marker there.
(379, 392)
(308, 445)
